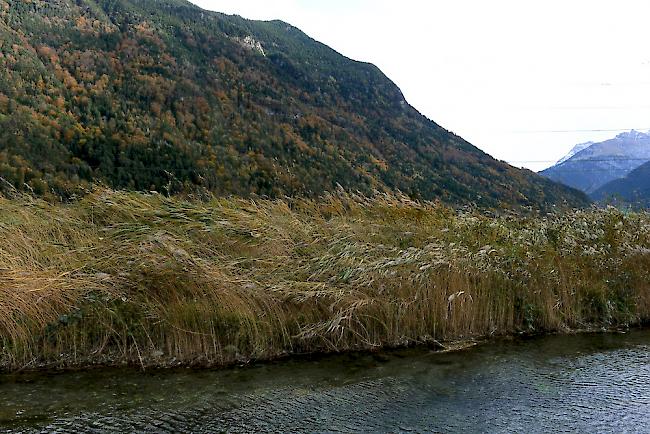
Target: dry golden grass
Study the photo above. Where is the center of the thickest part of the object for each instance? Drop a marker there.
(141, 278)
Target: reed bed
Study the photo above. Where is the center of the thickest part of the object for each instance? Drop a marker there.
(118, 277)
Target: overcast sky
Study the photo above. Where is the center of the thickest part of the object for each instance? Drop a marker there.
(522, 80)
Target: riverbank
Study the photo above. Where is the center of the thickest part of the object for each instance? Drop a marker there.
(142, 279)
(580, 383)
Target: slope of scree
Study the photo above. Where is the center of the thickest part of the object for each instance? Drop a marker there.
(162, 95)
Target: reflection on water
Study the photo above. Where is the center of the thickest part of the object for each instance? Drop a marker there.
(588, 383)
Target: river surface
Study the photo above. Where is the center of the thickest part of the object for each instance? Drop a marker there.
(585, 383)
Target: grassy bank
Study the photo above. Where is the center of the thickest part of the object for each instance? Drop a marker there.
(126, 277)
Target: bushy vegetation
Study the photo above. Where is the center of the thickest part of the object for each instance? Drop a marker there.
(141, 278)
(161, 95)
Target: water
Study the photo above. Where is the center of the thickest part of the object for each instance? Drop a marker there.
(588, 383)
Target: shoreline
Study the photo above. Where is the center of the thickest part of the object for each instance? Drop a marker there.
(171, 365)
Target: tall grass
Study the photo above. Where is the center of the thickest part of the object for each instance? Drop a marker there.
(140, 278)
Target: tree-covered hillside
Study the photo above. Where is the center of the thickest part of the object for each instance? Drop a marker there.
(632, 190)
(161, 95)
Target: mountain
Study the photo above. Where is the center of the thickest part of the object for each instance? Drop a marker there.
(596, 164)
(162, 95)
(577, 148)
(632, 190)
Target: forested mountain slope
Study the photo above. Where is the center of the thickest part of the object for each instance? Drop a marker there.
(632, 190)
(162, 95)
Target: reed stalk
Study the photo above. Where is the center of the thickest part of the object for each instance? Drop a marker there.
(118, 277)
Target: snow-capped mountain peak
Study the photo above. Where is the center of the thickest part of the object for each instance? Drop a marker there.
(575, 150)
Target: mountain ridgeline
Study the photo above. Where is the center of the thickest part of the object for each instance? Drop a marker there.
(633, 190)
(590, 166)
(162, 95)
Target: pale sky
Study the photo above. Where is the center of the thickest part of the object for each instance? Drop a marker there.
(522, 80)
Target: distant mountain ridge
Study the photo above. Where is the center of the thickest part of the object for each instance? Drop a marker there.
(632, 190)
(162, 95)
(590, 166)
(577, 148)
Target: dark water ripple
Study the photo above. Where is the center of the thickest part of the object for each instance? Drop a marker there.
(590, 383)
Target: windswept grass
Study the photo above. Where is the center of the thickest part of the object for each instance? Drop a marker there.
(130, 277)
